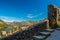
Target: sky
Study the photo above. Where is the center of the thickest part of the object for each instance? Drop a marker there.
(23, 10)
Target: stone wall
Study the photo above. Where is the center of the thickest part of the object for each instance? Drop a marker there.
(58, 17)
(52, 15)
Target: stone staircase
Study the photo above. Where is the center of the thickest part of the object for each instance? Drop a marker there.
(43, 35)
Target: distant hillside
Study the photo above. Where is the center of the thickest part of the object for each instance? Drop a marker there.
(20, 24)
(3, 24)
(24, 23)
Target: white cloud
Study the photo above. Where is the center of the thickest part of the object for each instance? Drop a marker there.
(33, 16)
(30, 16)
(10, 19)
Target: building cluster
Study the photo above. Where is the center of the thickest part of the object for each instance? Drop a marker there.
(8, 31)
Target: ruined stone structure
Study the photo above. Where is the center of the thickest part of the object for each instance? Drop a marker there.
(58, 17)
(47, 24)
(53, 15)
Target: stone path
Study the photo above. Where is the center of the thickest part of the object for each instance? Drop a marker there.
(55, 35)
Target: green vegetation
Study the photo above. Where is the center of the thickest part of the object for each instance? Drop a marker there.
(54, 24)
(3, 24)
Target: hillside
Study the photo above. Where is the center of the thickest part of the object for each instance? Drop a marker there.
(3, 24)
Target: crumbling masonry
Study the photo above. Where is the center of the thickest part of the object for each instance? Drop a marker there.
(53, 15)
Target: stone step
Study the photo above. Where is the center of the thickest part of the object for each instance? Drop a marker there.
(39, 37)
(49, 30)
(42, 35)
(45, 33)
(57, 28)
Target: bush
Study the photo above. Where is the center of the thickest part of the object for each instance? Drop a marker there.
(55, 26)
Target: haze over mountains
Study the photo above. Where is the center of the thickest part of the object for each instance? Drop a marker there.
(20, 23)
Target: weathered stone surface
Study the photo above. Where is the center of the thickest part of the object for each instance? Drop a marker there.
(53, 15)
(54, 36)
(38, 37)
(49, 30)
(45, 33)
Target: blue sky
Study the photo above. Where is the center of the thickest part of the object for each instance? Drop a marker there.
(22, 10)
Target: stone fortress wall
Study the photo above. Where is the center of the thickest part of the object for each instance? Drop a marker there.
(53, 15)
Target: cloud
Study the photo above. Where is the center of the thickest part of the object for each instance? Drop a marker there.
(10, 19)
(33, 16)
(30, 16)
